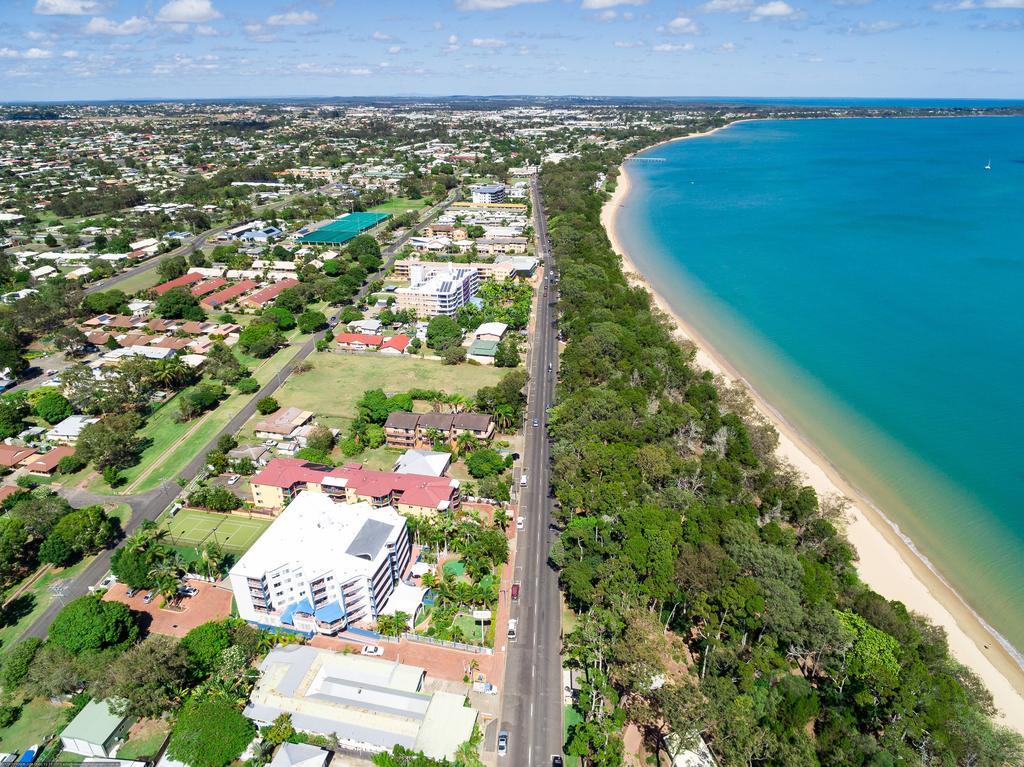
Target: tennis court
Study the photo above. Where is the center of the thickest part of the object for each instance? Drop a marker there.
(190, 527)
(343, 229)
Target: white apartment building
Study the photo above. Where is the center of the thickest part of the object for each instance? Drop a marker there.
(322, 566)
(488, 193)
(437, 289)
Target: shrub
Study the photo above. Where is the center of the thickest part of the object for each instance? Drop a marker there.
(247, 385)
(69, 464)
(267, 405)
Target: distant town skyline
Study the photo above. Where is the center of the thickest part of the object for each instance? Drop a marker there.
(134, 49)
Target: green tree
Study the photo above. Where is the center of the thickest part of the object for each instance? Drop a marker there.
(178, 304)
(89, 623)
(485, 462)
(279, 730)
(88, 530)
(282, 318)
(55, 550)
(209, 732)
(171, 268)
(267, 405)
(145, 680)
(17, 661)
(260, 339)
(311, 321)
(112, 441)
(507, 354)
(443, 333)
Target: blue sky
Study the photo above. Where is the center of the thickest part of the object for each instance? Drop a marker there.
(94, 49)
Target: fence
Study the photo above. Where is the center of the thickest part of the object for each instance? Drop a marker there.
(446, 643)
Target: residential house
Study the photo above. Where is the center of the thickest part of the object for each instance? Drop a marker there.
(16, 455)
(222, 298)
(396, 344)
(261, 298)
(428, 463)
(490, 331)
(483, 352)
(95, 731)
(178, 282)
(67, 431)
(288, 424)
(46, 463)
(358, 342)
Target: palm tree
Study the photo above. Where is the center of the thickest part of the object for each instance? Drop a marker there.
(458, 402)
(504, 417)
(170, 373)
(212, 560)
(465, 443)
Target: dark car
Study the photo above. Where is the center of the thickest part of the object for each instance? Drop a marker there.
(515, 592)
(556, 761)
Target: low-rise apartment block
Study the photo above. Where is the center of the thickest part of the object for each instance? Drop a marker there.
(284, 478)
(418, 430)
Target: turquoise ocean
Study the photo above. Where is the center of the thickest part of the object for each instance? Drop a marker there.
(866, 276)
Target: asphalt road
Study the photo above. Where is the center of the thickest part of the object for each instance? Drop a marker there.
(150, 505)
(532, 706)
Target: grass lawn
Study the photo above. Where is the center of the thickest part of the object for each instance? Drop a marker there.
(39, 719)
(571, 717)
(379, 458)
(470, 628)
(171, 449)
(144, 739)
(191, 527)
(141, 281)
(455, 567)
(337, 381)
(33, 602)
(400, 205)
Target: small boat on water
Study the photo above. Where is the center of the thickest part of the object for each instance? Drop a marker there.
(988, 165)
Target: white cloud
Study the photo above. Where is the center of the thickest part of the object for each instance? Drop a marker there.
(487, 42)
(188, 12)
(727, 47)
(31, 53)
(875, 27)
(726, 6)
(100, 25)
(682, 25)
(394, 49)
(491, 5)
(608, 15)
(776, 9)
(594, 5)
(671, 47)
(205, 30)
(293, 19)
(382, 37)
(70, 54)
(630, 44)
(66, 7)
(970, 5)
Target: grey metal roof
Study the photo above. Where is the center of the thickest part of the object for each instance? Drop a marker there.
(370, 538)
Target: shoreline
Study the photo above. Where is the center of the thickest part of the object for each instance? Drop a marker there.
(887, 560)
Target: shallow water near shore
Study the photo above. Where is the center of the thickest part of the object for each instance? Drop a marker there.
(865, 276)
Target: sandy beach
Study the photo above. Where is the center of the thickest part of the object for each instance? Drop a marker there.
(887, 562)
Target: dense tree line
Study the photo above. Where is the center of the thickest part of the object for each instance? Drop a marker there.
(717, 596)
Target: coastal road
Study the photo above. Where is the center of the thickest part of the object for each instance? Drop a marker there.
(148, 506)
(532, 705)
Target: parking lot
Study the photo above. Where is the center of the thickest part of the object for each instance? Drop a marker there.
(210, 603)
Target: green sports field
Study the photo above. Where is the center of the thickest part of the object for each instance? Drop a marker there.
(190, 527)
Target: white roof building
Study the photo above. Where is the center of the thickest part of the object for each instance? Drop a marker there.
(370, 704)
(321, 565)
(423, 462)
(69, 429)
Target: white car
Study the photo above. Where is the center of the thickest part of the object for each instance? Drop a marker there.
(522, 480)
(520, 523)
(371, 650)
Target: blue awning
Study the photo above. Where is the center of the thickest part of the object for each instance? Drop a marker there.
(331, 612)
(302, 606)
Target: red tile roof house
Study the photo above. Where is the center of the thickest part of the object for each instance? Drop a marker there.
(358, 342)
(208, 287)
(47, 462)
(223, 297)
(6, 491)
(395, 344)
(178, 282)
(415, 494)
(261, 298)
(14, 455)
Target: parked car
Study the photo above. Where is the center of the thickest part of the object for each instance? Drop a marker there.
(515, 592)
(513, 625)
(371, 649)
(503, 743)
(536, 423)
(234, 479)
(522, 480)
(188, 591)
(556, 761)
(132, 592)
(148, 598)
(520, 523)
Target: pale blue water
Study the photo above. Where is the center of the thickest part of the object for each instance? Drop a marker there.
(867, 277)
